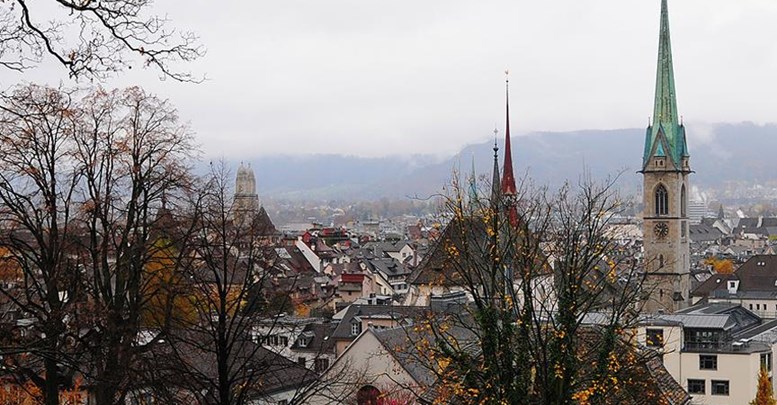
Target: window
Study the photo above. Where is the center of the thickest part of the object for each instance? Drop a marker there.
(708, 362)
(356, 328)
(304, 341)
(367, 395)
(766, 361)
(696, 386)
(719, 387)
(301, 361)
(321, 365)
(662, 200)
(758, 307)
(683, 204)
(654, 337)
(276, 340)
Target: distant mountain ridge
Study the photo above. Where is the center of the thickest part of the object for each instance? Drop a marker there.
(719, 153)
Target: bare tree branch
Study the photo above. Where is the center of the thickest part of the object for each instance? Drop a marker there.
(94, 39)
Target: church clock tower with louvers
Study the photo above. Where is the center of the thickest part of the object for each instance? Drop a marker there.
(665, 170)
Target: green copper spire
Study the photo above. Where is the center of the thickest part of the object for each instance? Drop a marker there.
(666, 136)
(473, 187)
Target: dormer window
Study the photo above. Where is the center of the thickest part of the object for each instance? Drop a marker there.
(356, 328)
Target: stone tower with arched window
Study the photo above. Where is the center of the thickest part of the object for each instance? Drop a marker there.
(246, 201)
(665, 171)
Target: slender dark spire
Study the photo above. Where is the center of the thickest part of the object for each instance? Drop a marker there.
(508, 179)
(666, 135)
(496, 193)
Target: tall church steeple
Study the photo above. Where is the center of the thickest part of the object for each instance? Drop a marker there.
(665, 171)
(666, 135)
(508, 179)
(509, 191)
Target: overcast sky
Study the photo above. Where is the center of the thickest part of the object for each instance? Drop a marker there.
(372, 78)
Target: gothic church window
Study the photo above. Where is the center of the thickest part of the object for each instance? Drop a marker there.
(683, 203)
(662, 200)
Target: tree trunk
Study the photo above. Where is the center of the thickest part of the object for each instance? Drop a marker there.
(51, 389)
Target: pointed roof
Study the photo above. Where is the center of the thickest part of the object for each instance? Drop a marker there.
(473, 187)
(666, 135)
(508, 179)
(496, 192)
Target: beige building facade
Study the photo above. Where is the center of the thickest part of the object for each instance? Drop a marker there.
(712, 356)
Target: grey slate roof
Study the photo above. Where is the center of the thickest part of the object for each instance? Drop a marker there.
(757, 279)
(729, 317)
(704, 233)
(702, 321)
(388, 267)
(398, 313)
(320, 335)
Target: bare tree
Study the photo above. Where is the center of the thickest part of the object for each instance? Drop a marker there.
(227, 273)
(38, 182)
(133, 154)
(93, 39)
(81, 182)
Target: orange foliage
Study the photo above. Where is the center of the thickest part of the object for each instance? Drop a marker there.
(9, 268)
(764, 395)
(164, 289)
(720, 266)
(29, 394)
(24, 394)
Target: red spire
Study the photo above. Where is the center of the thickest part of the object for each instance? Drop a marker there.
(508, 180)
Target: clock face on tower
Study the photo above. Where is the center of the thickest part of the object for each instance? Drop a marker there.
(661, 229)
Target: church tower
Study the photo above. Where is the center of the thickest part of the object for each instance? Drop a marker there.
(508, 189)
(665, 170)
(246, 202)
